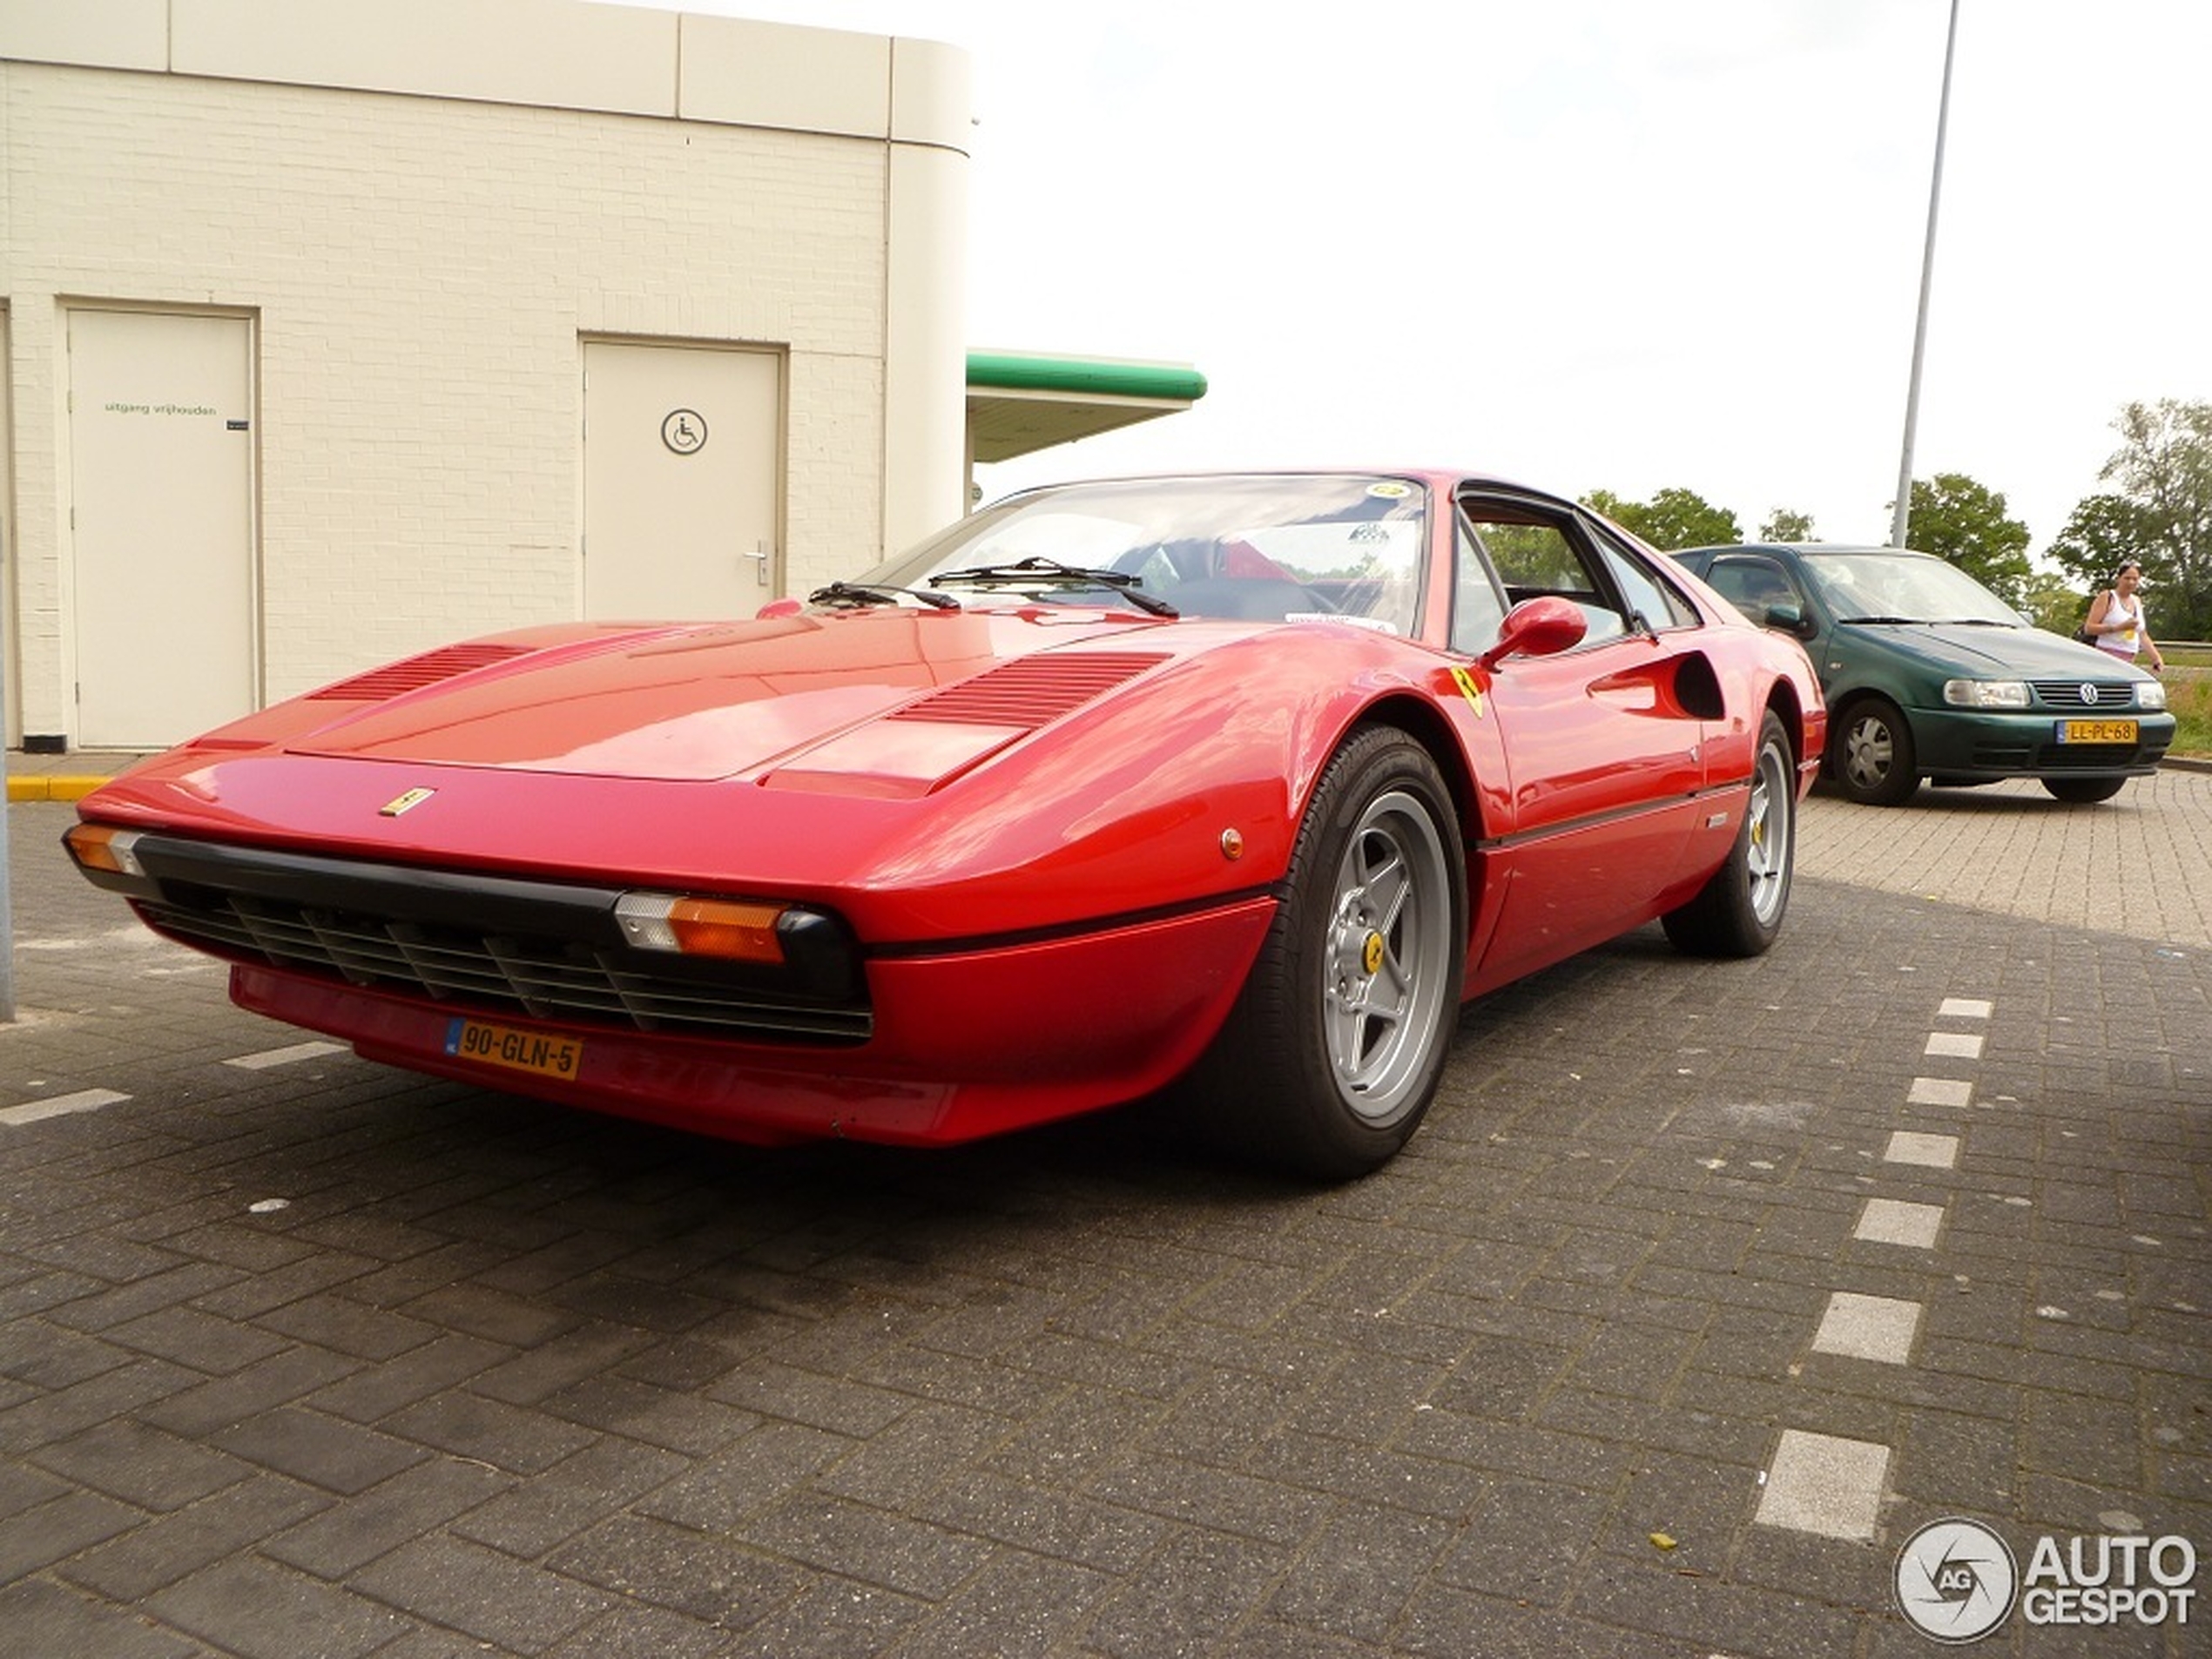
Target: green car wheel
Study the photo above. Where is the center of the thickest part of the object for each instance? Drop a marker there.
(1870, 753)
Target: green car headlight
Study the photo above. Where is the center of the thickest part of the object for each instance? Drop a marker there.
(1986, 694)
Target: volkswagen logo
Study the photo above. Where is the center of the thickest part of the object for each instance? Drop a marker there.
(2088, 697)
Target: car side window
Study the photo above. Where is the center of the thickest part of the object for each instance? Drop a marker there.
(1751, 584)
(1648, 592)
(1477, 606)
(1534, 555)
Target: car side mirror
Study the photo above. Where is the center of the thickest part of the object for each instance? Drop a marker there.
(1790, 616)
(1543, 626)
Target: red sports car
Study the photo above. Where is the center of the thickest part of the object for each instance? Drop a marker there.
(1241, 783)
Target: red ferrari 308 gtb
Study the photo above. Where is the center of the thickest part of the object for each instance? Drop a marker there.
(1242, 784)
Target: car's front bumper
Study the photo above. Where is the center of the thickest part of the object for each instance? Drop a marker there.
(1983, 744)
(964, 1044)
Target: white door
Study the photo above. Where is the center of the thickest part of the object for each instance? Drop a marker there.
(683, 458)
(161, 493)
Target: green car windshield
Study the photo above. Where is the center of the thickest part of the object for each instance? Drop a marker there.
(1888, 586)
(1269, 548)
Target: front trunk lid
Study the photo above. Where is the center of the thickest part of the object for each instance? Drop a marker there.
(724, 700)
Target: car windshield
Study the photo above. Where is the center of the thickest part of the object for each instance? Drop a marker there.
(1889, 585)
(1321, 548)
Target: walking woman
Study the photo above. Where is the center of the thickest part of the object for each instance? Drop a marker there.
(2116, 621)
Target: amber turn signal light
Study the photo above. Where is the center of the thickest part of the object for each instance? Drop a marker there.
(725, 929)
(105, 847)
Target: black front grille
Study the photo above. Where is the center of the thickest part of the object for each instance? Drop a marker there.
(2108, 697)
(470, 940)
(544, 978)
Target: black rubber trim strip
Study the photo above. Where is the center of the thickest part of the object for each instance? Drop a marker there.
(1592, 820)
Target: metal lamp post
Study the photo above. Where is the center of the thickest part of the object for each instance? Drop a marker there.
(1902, 514)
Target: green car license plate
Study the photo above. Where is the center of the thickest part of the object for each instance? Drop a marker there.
(2097, 731)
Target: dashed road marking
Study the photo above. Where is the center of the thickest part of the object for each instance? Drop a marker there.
(1931, 1151)
(286, 1057)
(1819, 1483)
(1893, 1221)
(84, 1100)
(1868, 1327)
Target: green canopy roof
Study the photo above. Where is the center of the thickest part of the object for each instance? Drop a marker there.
(1018, 403)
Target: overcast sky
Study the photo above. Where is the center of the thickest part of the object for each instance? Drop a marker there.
(1596, 243)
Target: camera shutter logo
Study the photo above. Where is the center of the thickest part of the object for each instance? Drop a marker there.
(1956, 1580)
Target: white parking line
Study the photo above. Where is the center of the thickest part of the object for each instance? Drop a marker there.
(1868, 1327)
(84, 1100)
(291, 1055)
(1932, 1151)
(1819, 1483)
(1939, 1091)
(1957, 1045)
(1964, 1007)
(1893, 1221)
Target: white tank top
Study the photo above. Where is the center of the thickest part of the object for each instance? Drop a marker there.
(2124, 643)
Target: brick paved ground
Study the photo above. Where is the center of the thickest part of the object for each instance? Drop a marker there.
(309, 1357)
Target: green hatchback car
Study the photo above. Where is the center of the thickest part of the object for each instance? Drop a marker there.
(1929, 675)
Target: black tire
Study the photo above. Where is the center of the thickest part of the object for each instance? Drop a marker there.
(2084, 792)
(1331, 1057)
(1870, 754)
(1739, 912)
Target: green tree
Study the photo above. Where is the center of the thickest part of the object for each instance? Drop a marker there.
(1786, 525)
(2163, 469)
(2054, 602)
(1958, 519)
(1671, 519)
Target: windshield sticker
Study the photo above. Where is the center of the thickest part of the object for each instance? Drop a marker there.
(1372, 624)
(1390, 489)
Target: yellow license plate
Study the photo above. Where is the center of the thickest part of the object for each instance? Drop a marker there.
(539, 1053)
(2096, 732)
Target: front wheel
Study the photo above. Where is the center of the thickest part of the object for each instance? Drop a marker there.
(1870, 754)
(1739, 912)
(1334, 1050)
(2084, 792)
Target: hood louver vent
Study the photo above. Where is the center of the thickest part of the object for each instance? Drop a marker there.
(1032, 692)
(416, 673)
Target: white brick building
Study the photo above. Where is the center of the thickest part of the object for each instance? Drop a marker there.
(335, 330)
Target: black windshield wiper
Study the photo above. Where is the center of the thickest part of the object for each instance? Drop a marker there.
(1977, 622)
(877, 593)
(1033, 570)
(1907, 621)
